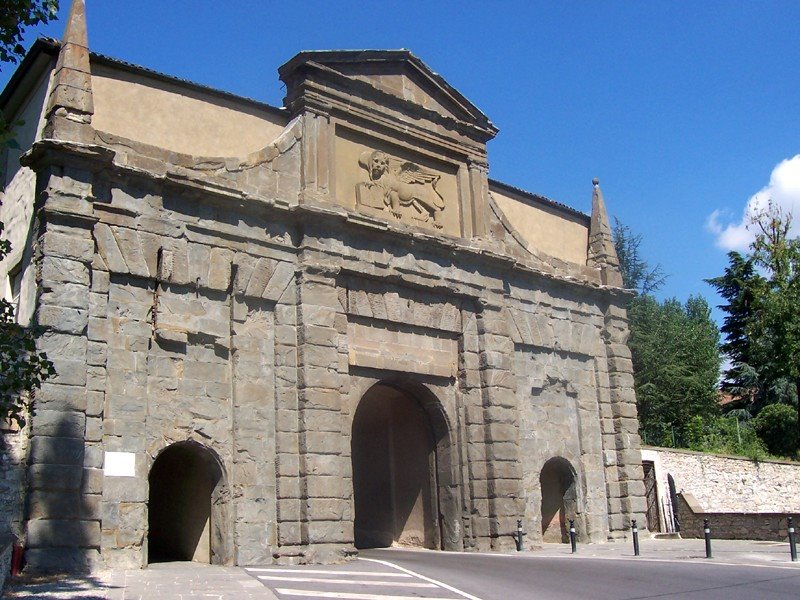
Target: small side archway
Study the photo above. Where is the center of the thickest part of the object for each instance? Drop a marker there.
(403, 480)
(558, 483)
(188, 506)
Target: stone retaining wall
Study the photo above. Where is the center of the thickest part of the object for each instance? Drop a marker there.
(743, 498)
(732, 526)
(732, 483)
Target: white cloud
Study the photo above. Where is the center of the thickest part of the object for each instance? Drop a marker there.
(784, 191)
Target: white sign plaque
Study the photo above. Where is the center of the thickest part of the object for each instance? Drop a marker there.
(120, 464)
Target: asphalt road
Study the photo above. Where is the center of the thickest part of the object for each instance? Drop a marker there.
(528, 577)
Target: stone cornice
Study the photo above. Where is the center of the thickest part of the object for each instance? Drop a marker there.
(46, 152)
(95, 158)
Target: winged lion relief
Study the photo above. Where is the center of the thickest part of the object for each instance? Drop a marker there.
(401, 187)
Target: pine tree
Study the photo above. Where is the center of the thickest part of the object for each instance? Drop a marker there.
(762, 326)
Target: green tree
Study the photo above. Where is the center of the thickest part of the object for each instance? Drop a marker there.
(762, 326)
(740, 285)
(673, 347)
(675, 362)
(15, 16)
(637, 274)
(22, 369)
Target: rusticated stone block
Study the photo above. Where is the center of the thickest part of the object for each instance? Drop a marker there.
(59, 423)
(55, 477)
(65, 320)
(62, 533)
(56, 450)
(62, 270)
(330, 532)
(61, 398)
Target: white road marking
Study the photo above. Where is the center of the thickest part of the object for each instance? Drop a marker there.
(348, 595)
(347, 581)
(303, 571)
(386, 563)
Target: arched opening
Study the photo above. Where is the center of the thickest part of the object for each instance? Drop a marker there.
(399, 445)
(559, 499)
(186, 506)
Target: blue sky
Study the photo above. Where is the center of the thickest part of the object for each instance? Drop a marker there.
(681, 109)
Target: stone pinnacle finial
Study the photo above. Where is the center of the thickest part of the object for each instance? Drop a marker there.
(70, 106)
(602, 253)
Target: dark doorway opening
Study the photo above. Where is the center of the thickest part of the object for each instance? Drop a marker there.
(395, 482)
(186, 506)
(651, 495)
(559, 499)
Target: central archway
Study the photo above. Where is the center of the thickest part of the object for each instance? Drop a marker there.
(398, 442)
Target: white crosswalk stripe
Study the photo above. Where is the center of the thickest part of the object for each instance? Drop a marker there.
(325, 572)
(350, 595)
(414, 584)
(376, 580)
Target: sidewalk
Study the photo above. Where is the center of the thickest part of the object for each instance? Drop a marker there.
(179, 581)
(161, 581)
(738, 552)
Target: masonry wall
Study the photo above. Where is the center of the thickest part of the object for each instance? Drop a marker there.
(13, 454)
(767, 526)
(178, 329)
(732, 484)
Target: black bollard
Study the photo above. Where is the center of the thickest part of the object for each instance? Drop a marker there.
(635, 531)
(707, 534)
(792, 541)
(572, 536)
(519, 535)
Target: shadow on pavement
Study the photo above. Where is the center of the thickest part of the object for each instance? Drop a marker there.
(58, 587)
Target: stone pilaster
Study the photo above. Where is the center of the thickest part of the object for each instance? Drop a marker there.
(317, 151)
(287, 462)
(312, 431)
(620, 427)
(252, 476)
(474, 473)
(479, 192)
(124, 331)
(65, 461)
(322, 426)
(501, 421)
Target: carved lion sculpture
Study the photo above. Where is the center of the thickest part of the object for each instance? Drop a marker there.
(404, 184)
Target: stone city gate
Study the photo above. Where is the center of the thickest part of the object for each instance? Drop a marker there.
(325, 319)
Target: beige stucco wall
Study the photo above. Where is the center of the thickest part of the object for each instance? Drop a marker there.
(180, 119)
(18, 194)
(545, 229)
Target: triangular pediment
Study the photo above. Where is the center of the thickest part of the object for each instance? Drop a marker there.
(397, 73)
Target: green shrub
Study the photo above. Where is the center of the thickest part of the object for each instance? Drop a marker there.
(724, 435)
(776, 424)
